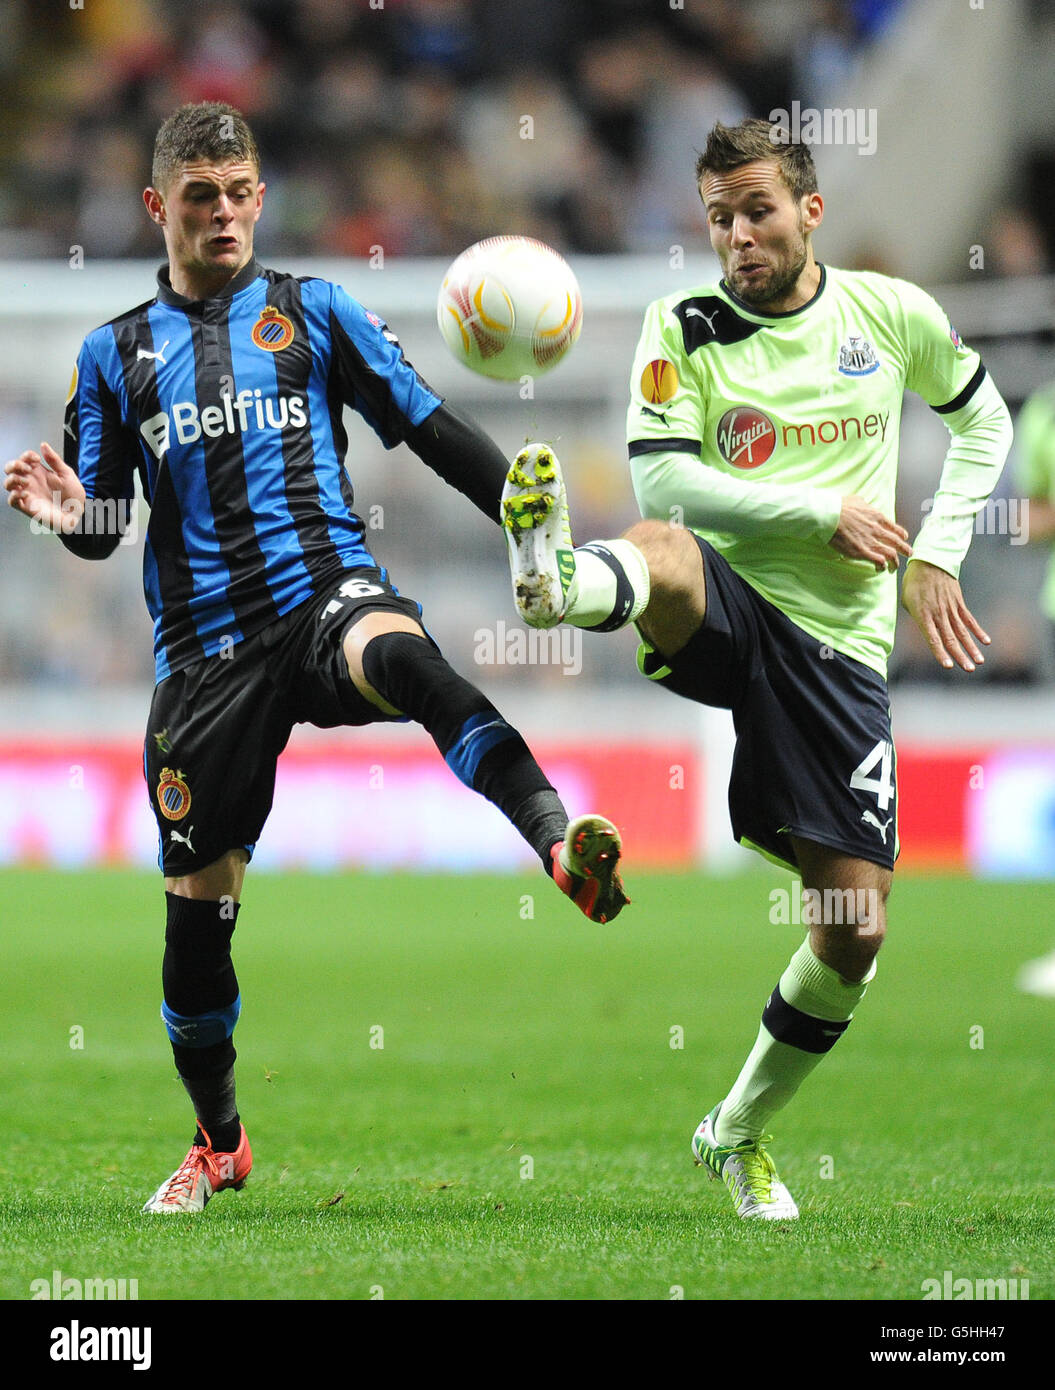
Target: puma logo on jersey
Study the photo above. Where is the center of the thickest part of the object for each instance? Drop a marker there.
(183, 839)
(699, 314)
(870, 818)
(144, 353)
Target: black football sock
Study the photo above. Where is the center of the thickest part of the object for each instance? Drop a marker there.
(542, 820)
(213, 1096)
(481, 749)
(201, 1007)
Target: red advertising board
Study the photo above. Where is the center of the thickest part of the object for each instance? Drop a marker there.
(343, 802)
(340, 803)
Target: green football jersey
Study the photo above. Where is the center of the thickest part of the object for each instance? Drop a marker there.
(1036, 438)
(809, 400)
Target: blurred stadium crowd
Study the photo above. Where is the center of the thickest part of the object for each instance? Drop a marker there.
(399, 122)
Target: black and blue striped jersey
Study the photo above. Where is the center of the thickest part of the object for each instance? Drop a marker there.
(229, 410)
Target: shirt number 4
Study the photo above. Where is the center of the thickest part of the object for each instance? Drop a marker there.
(881, 786)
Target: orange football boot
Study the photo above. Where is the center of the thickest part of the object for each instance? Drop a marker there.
(202, 1173)
(585, 867)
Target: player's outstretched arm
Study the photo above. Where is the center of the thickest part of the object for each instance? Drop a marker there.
(934, 599)
(45, 489)
(464, 455)
(864, 533)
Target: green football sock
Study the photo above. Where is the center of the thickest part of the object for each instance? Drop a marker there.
(806, 1015)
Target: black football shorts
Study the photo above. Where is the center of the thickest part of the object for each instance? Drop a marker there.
(814, 753)
(216, 728)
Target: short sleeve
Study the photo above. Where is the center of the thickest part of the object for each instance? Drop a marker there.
(372, 375)
(96, 442)
(942, 369)
(666, 412)
(104, 453)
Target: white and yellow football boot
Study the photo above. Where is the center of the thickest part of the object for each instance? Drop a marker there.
(747, 1171)
(538, 532)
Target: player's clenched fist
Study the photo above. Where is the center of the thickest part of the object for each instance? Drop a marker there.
(45, 489)
(864, 533)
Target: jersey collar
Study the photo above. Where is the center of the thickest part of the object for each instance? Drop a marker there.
(245, 277)
(760, 315)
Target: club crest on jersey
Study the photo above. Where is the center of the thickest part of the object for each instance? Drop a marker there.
(272, 330)
(746, 437)
(659, 381)
(857, 356)
(173, 795)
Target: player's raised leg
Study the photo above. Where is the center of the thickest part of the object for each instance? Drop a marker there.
(395, 666)
(653, 575)
(806, 1015)
(200, 1010)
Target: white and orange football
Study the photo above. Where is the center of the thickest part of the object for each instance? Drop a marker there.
(509, 307)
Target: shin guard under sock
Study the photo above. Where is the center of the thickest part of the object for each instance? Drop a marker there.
(481, 749)
(200, 1009)
(805, 1017)
(610, 587)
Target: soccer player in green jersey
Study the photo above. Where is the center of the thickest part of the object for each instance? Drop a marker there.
(763, 440)
(1036, 475)
(1036, 469)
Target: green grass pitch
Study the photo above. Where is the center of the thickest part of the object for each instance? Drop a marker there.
(523, 1132)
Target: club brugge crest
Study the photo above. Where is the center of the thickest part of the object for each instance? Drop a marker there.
(173, 795)
(857, 356)
(272, 330)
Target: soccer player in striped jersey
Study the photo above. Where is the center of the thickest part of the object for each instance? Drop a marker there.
(224, 394)
(763, 441)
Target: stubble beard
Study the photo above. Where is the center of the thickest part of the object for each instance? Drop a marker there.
(778, 286)
(782, 282)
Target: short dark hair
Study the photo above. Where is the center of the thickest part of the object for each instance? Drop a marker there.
(730, 147)
(206, 129)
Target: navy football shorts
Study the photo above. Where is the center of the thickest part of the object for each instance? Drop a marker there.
(814, 753)
(217, 727)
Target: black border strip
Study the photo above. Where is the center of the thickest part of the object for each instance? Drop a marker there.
(664, 446)
(958, 402)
